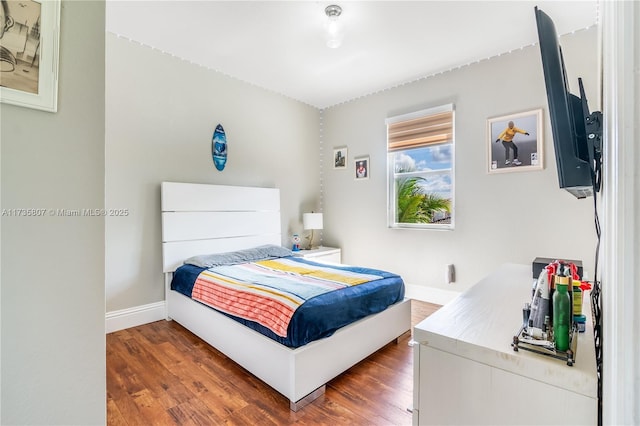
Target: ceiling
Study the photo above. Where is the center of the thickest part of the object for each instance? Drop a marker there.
(280, 46)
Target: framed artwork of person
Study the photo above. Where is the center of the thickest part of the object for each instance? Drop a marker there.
(361, 168)
(29, 45)
(515, 142)
(340, 158)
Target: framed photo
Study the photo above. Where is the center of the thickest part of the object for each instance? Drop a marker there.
(29, 42)
(515, 143)
(361, 168)
(340, 158)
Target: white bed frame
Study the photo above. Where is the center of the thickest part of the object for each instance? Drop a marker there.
(203, 219)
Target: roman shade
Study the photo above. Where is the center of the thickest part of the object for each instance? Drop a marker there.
(422, 128)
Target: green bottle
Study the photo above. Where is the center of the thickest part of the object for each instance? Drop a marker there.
(562, 311)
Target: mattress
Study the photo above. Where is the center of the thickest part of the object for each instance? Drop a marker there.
(321, 315)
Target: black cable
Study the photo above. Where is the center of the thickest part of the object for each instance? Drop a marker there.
(596, 305)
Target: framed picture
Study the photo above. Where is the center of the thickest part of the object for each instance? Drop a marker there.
(515, 143)
(340, 158)
(29, 41)
(361, 168)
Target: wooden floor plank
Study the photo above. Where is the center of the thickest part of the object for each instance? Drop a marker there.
(115, 417)
(162, 374)
(160, 383)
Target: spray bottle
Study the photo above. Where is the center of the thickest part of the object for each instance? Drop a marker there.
(540, 303)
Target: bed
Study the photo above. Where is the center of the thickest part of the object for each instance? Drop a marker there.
(200, 219)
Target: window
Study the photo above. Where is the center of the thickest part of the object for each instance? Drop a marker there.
(420, 148)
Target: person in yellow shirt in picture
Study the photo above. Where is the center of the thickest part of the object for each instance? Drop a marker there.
(507, 141)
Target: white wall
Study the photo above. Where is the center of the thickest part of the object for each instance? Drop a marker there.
(620, 257)
(160, 115)
(499, 218)
(53, 342)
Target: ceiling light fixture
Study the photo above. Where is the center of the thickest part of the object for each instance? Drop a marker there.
(333, 27)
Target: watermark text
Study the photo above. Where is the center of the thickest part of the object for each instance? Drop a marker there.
(87, 212)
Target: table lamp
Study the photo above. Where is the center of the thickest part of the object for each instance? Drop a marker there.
(311, 221)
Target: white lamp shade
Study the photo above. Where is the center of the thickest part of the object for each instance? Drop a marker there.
(312, 220)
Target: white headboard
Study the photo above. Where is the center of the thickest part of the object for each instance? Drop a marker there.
(205, 219)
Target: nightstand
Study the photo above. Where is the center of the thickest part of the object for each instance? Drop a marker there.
(322, 254)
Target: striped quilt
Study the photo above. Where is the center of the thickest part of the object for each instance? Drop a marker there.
(269, 291)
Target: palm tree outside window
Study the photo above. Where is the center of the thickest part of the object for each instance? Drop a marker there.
(420, 163)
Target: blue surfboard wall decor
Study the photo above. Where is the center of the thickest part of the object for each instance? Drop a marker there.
(219, 147)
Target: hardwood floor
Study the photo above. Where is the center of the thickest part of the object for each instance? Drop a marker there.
(162, 374)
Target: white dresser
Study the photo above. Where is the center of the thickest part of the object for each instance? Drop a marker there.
(466, 372)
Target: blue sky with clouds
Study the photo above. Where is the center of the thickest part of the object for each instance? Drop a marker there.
(434, 158)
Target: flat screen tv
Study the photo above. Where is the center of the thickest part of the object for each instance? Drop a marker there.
(576, 132)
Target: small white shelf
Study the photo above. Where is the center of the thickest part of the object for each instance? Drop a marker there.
(323, 254)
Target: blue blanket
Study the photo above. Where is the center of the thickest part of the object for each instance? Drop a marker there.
(322, 315)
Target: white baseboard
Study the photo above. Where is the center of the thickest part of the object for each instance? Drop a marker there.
(132, 317)
(430, 294)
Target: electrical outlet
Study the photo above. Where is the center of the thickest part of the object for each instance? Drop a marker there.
(451, 273)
